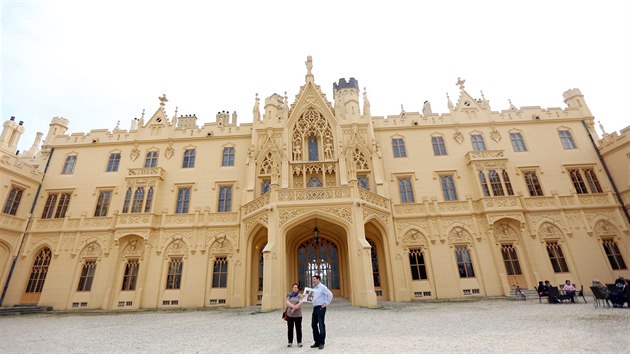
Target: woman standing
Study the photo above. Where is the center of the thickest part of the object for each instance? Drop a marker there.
(294, 312)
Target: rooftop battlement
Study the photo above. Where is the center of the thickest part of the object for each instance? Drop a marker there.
(352, 83)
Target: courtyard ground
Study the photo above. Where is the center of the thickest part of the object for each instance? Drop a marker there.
(489, 325)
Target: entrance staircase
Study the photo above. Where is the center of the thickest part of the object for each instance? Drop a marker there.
(23, 309)
(529, 294)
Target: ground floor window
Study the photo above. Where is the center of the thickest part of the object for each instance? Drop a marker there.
(87, 276)
(418, 267)
(219, 273)
(464, 262)
(131, 274)
(556, 257)
(174, 276)
(613, 254)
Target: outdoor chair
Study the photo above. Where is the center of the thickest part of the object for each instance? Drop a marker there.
(598, 295)
(581, 293)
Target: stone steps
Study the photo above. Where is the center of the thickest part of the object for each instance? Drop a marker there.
(23, 309)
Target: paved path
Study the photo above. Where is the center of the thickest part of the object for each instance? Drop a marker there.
(497, 326)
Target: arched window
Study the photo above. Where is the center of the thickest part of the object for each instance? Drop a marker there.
(39, 271)
(314, 183)
(313, 153)
(375, 274)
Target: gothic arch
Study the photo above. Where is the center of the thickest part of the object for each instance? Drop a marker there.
(604, 228)
(315, 214)
(460, 234)
(92, 249)
(550, 231)
(413, 238)
(312, 135)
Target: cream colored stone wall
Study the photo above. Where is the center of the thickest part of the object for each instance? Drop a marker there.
(276, 226)
(615, 149)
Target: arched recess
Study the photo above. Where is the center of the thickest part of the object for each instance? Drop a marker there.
(553, 243)
(376, 237)
(417, 264)
(314, 149)
(611, 245)
(37, 275)
(174, 269)
(5, 260)
(131, 271)
(89, 258)
(334, 261)
(465, 260)
(510, 254)
(256, 244)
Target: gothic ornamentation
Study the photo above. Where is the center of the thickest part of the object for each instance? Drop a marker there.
(414, 238)
(177, 247)
(605, 228)
(169, 151)
(459, 235)
(221, 246)
(458, 137)
(312, 126)
(549, 231)
(134, 248)
(134, 154)
(495, 135)
(504, 232)
(92, 250)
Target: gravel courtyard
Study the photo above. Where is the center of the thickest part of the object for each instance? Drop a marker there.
(497, 326)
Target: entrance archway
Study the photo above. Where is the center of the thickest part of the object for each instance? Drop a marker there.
(328, 258)
(318, 258)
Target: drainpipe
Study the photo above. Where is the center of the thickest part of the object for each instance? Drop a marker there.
(23, 236)
(610, 179)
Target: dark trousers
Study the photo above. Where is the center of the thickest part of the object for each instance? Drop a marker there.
(297, 322)
(318, 325)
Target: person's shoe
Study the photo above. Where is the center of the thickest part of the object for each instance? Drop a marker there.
(321, 346)
(299, 345)
(289, 345)
(315, 345)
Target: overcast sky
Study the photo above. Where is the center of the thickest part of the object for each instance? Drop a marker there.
(98, 62)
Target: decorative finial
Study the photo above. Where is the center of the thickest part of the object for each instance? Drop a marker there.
(117, 126)
(460, 83)
(601, 127)
(163, 100)
(512, 107)
(309, 65)
(402, 110)
(482, 96)
(142, 117)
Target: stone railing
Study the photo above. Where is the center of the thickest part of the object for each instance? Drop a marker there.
(255, 204)
(12, 223)
(485, 155)
(136, 220)
(289, 195)
(593, 199)
(146, 172)
(374, 198)
(410, 209)
(501, 203)
(48, 224)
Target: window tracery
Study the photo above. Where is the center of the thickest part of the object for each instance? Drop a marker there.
(314, 131)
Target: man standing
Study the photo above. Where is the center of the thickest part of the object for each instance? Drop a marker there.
(322, 299)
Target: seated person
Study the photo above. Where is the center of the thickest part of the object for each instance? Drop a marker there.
(542, 289)
(598, 284)
(618, 297)
(569, 290)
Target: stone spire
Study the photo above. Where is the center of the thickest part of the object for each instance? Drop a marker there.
(450, 104)
(257, 109)
(366, 104)
(309, 66)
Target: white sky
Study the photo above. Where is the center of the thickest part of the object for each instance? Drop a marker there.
(97, 62)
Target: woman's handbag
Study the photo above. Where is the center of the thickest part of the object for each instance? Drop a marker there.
(284, 315)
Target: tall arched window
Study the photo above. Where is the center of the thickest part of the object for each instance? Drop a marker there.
(313, 153)
(39, 271)
(375, 274)
(319, 258)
